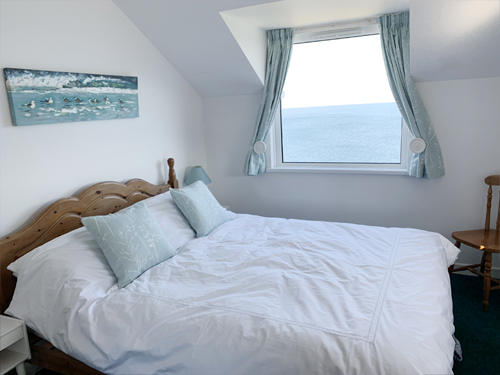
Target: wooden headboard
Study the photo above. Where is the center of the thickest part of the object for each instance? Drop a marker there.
(64, 215)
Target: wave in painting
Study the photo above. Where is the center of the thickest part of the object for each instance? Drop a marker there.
(42, 97)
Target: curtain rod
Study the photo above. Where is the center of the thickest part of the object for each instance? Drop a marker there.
(300, 30)
(342, 23)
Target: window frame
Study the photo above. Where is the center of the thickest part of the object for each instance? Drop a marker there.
(274, 150)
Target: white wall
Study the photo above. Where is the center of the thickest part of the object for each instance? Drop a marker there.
(454, 39)
(41, 163)
(465, 115)
(463, 105)
(252, 40)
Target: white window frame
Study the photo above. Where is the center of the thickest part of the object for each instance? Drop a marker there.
(274, 151)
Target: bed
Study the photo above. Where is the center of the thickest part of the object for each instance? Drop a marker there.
(256, 295)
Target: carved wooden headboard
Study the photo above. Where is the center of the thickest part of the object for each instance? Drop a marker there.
(64, 215)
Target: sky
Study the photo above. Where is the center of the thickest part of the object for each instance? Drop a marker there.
(337, 72)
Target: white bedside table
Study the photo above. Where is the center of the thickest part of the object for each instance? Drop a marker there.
(14, 346)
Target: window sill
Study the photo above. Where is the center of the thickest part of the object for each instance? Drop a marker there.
(359, 170)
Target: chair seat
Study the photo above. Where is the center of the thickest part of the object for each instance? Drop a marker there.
(480, 239)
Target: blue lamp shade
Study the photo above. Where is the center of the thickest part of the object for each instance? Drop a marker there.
(197, 173)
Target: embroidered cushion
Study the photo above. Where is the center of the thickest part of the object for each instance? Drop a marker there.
(131, 241)
(200, 207)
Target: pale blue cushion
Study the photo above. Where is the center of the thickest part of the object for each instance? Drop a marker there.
(200, 207)
(131, 241)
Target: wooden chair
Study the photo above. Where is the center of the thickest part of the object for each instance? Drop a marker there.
(486, 240)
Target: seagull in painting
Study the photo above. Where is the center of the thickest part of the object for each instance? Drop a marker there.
(106, 100)
(120, 101)
(66, 100)
(31, 105)
(91, 101)
(47, 101)
(77, 100)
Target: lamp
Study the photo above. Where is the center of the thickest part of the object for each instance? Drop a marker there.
(197, 173)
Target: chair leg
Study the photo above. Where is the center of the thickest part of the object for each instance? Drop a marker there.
(452, 267)
(482, 261)
(487, 280)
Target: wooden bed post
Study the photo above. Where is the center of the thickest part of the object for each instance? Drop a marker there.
(172, 177)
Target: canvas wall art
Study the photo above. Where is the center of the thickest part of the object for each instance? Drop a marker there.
(44, 97)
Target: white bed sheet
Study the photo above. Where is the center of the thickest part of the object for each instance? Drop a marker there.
(256, 296)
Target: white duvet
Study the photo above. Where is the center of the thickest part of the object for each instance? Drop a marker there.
(256, 296)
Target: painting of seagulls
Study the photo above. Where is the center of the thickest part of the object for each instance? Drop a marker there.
(44, 97)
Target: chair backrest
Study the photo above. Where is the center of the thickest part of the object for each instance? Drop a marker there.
(493, 180)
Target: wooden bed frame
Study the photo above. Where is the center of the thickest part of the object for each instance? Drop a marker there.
(63, 216)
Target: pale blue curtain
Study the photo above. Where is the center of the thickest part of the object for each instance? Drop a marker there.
(279, 51)
(395, 38)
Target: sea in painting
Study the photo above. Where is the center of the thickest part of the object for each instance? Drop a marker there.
(45, 97)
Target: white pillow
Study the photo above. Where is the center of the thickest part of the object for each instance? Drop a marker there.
(16, 266)
(73, 261)
(170, 219)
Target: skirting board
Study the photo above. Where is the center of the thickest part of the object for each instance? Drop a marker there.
(495, 271)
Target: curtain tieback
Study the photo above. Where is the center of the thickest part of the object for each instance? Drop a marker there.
(417, 145)
(259, 147)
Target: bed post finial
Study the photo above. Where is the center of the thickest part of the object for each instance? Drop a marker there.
(172, 177)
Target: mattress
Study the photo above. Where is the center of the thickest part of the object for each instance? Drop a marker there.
(256, 296)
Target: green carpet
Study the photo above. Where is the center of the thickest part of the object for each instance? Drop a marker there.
(477, 331)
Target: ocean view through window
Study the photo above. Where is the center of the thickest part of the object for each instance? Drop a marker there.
(356, 133)
(337, 107)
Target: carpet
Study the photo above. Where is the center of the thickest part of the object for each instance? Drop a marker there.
(477, 331)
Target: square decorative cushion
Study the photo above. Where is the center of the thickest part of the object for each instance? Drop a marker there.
(131, 241)
(200, 207)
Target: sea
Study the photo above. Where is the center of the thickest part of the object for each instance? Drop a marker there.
(357, 133)
(44, 97)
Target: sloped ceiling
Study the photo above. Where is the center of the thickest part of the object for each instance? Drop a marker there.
(194, 38)
(218, 46)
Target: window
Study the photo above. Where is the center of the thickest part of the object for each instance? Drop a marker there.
(337, 109)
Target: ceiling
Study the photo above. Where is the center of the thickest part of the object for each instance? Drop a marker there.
(194, 38)
(298, 13)
(219, 46)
